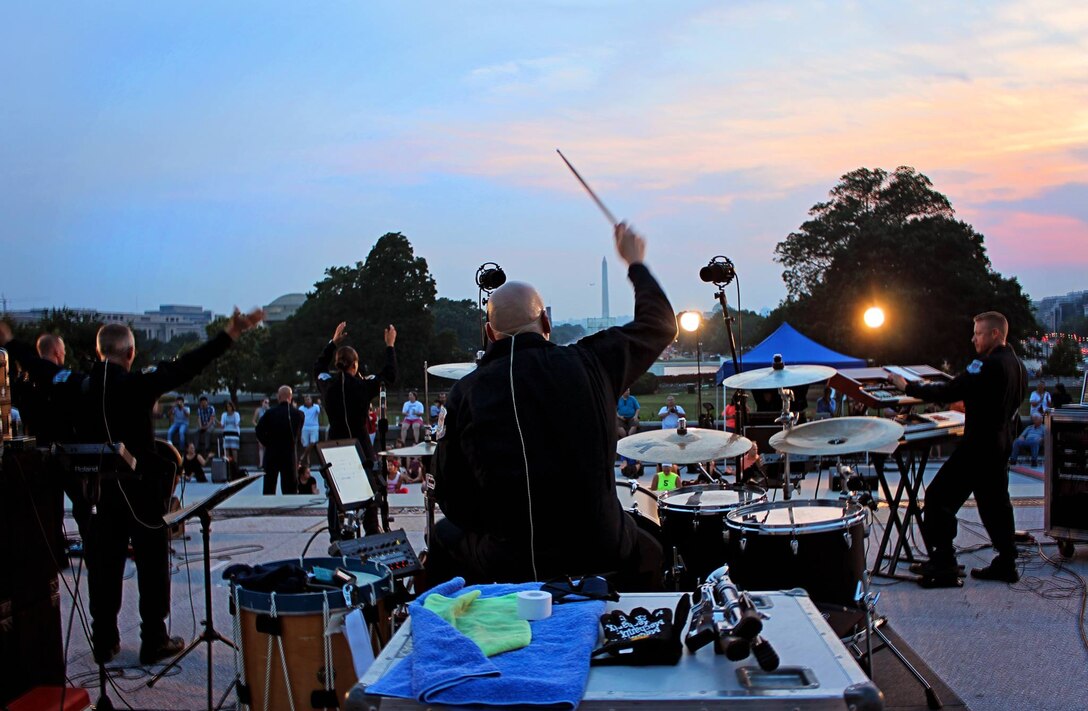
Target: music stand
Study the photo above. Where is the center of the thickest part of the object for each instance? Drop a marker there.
(345, 473)
(203, 510)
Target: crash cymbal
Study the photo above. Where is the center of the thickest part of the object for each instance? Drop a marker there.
(453, 371)
(787, 377)
(423, 449)
(698, 445)
(838, 435)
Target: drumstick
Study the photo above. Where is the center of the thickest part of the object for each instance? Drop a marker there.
(611, 218)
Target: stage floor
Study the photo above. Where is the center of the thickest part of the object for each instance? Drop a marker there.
(996, 647)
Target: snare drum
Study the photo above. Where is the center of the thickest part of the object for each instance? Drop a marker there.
(818, 545)
(693, 522)
(641, 503)
(292, 629)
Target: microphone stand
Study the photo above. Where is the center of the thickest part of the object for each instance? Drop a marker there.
(383, 490)
(740, 397)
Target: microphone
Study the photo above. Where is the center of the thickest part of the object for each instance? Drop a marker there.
(490, 276)
(718, 270)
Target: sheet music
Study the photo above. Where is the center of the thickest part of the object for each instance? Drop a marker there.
(906, 373)
(348, 474)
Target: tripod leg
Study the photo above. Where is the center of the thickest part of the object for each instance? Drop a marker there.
(932, 700)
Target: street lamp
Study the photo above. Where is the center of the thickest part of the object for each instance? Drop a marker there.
(692, 321)
(874, 317)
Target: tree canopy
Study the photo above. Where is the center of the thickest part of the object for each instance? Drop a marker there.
(890, 239)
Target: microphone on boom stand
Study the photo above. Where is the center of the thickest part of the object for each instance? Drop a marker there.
(489, 277)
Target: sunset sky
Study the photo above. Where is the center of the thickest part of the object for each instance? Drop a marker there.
(227, 153)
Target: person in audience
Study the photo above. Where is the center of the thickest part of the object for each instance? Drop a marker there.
(627, 410)
(670, 414)
(394, 476)
(1061, 396)
(231, 422)
(192, 464)
(279, 431)
(825, 406)
(413, 419)
(258, 413)
(1040, 401)
(179, 423)
(667, 478)
(1030, 439)
(307, 484)
(413, 471)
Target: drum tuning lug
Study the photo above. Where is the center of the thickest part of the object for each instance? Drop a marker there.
(347, 590)
(695, 524)
(725, 536)
(793, 545)
(846, 538)
(743, 543)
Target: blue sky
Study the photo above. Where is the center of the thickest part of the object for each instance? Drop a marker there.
(226, 153)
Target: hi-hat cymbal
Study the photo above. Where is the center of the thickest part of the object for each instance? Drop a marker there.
(698, 445)
(423, 449)
(787, 377)
(453, 371)
(838, 435)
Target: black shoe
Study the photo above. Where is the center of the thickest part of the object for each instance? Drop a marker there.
(929, 570)
(940, 581)
(109, 654)
(164, 650)
(997, 571)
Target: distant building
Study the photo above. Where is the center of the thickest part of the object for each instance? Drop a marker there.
(1053, 310)
(283, 307)
(168, 322)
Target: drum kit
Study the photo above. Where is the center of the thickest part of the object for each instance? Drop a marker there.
(813, 544)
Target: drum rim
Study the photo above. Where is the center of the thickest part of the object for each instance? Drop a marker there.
(664, 505)
(308, 603)
(853, 515)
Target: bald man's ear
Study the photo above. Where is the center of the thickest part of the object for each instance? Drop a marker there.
(546, 325)
(491, 336)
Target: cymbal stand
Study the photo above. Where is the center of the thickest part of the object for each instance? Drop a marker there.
(786, 419)
(873, 622)
(740, 398)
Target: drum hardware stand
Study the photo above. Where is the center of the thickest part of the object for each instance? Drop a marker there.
(209, 635)
(786, 419)
(721, 272)
(873, 624)
(911, 473)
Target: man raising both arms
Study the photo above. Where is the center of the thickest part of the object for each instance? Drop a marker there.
(508, 422)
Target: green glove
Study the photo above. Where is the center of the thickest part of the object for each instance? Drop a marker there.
(492, 623)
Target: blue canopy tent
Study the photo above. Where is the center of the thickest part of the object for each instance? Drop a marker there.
(795, 348)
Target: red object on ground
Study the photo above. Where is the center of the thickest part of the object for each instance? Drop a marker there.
(47, 698)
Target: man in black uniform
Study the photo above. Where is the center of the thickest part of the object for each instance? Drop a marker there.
(991, 389)
(279, 430)
(32, 397)
(115, 405)
(347, 397)
(525, 473)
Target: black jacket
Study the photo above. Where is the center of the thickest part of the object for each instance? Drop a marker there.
(34, 396)
(992, 388)
(278, 430)
(347, 398)
(566, 409)
(116, 404)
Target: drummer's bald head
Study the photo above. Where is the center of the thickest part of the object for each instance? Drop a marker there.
(514, 308)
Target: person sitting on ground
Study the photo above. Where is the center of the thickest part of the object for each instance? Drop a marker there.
(413, 419)
(630, 468)
(413, 473)
(627, 414)
(670, 414)
(1031, 439)
(394, 476)
(307, 484)
(666, 479)
(192, 464)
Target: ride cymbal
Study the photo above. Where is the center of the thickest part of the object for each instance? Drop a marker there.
(698, 445)
(838, 435)
(452, 371)
(786, 377)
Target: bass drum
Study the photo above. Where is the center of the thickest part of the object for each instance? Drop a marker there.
(818, 545)
(693, 524)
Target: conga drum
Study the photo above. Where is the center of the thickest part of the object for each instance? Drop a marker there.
(291, 645)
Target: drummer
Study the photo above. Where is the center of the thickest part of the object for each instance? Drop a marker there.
(511, 419)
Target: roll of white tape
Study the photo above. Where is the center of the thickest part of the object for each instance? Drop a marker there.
(534, 605)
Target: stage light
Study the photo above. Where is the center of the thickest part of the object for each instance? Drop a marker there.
(874, 317)
(691, 320)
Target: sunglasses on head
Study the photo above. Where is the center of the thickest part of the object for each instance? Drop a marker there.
(579, 589)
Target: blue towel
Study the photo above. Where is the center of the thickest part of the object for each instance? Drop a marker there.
(445, 667)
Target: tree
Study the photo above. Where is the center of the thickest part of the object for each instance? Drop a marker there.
(1065, 358)
(461, 320)
(566, 333)
(239, 369)
(392, 286)
(892, 240)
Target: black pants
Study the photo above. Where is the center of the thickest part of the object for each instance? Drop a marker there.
(479, 559)
(106, 536)
(985, 473)
(282, 467)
